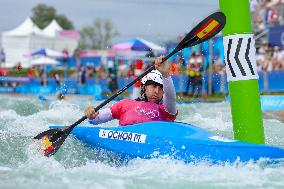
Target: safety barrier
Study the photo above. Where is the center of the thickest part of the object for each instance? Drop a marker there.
(268, 82)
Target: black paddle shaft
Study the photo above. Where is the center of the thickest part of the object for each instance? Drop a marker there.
(67, 130)
(178, 48)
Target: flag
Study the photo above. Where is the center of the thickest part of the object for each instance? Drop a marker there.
(210, 26)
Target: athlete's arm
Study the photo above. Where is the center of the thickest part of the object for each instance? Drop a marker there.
(169, 98)
(103, 116)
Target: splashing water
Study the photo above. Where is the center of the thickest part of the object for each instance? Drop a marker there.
(22, 165)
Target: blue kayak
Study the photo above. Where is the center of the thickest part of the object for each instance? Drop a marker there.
(177, 140)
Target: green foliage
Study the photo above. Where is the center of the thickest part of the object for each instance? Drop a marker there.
(18, 72)
(24, 72)
(44, 14)
(64, 22)
(98, 35)
(88, 37)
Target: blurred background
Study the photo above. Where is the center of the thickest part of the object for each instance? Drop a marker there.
(93, 47)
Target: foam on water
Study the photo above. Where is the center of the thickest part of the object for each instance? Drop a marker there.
(22, 164)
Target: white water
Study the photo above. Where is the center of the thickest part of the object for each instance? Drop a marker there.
(75, 166)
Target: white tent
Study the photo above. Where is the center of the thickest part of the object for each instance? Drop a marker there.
(62, 39)
(23, 38)
(24, 29)
(52, 29)
(28, 37)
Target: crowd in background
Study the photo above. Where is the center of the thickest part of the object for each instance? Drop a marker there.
(269, 58)
(266, 14)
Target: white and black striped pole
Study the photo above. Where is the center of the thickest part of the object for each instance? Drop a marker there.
(241, 71)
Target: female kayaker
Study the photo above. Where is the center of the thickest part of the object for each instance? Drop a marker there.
(156, 103)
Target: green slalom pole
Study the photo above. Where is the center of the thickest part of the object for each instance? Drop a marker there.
(241, 72)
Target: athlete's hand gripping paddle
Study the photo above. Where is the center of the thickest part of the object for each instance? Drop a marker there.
(206, 29)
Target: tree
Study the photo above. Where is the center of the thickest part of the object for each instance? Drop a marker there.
(64, 22)
(98, 35)
(88, 37)
(44, 14)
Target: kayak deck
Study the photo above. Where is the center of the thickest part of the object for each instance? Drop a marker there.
(175, 139)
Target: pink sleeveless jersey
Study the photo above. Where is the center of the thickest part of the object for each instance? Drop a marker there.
(129, 112)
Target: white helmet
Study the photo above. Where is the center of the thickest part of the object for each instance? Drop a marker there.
(154, 75)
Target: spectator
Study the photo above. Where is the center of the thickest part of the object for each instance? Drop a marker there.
(90, 70)
(56, 78)
(122, 69)
(31, 72)
(131, 71)
(17, 66)
(198, 75)
(82, 75)
(65, 56)
(174, 69)
(42, 76)
(219, 66)
(190, 72)
(112, 80)
(273, 16)
(260, 58)
(2, 57)
(100, 72)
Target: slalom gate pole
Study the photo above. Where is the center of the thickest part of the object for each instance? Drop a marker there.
(242, 76)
